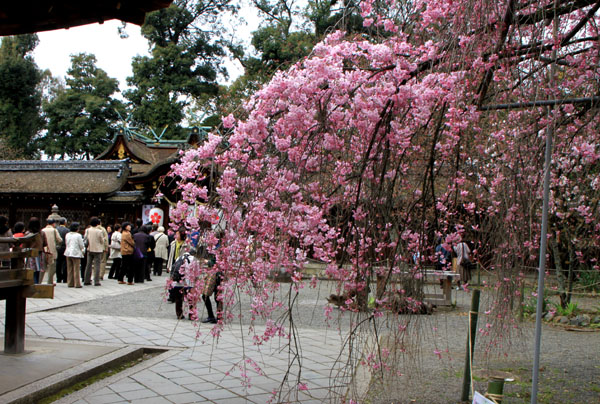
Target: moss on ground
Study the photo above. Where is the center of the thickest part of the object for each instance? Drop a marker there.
(88, 382)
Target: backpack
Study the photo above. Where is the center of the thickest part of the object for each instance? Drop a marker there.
(176, 276)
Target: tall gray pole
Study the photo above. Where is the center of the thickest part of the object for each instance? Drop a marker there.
(542, 266)
(543, 236)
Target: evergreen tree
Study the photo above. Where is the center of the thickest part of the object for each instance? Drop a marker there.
(20, 96)
(186, 60)
(83, 114)
(288, 34)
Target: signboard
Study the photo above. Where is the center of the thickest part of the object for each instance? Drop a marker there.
(218, 221)
(478, 398)
(146, 213)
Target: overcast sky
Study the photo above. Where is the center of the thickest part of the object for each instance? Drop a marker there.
(113, 53)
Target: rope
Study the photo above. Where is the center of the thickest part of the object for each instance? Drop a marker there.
(496, 398)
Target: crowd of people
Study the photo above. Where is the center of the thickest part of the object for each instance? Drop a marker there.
(462, 252)
(78, 256)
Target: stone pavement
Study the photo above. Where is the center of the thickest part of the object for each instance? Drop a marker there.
(194, 368)
(65, 296)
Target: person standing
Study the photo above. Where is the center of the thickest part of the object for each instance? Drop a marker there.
(5, 232)
(115, 253)
(138, 226)
(127, 248)
(61, 262)
(96, 247)
(161, 253)
(463, 260)
(83, 232)
(53, 239)
(140, 253)
(19, 229)
(176, 248)
(39, 243)
(105, 252)
(212, 287)
(444, 258)
(74, 252)
(181, 285)
(151, 245)
(109, 230)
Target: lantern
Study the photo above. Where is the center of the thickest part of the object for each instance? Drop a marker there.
(156, 216)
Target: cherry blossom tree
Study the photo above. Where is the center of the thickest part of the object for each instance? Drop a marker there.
(365, 152)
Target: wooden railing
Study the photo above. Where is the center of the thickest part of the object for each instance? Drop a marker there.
(16, 285)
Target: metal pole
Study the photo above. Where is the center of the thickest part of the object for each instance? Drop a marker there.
(544, 235)
(542, 103)
(542, 267)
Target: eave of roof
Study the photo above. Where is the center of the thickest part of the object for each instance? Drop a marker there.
(21, 17)
(63, 165)
(156, 170)
(126, 196)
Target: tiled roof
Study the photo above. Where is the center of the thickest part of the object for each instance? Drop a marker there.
(73, 176)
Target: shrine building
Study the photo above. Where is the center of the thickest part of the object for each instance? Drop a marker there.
(116, 186)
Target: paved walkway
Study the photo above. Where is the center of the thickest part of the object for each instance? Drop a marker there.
(195, 369)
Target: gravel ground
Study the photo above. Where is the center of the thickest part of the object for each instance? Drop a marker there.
(432, 372)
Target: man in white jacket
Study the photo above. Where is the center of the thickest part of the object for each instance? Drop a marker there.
(161, 251)
(96, 247)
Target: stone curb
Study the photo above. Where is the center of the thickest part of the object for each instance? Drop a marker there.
(39, 389)
(89, 390)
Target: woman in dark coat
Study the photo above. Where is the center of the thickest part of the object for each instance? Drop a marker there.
(4, 232)
(38, 263)
(141, 239)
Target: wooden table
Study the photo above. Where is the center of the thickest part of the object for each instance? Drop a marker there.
(444, 298)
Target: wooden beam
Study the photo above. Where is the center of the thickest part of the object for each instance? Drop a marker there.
(39, 291)
(12, 274)
(25, 253)
(18, 240)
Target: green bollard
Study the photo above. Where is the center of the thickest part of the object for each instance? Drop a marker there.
(472, 332)
(495, 390)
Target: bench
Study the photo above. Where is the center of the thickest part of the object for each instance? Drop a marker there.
(16, 285)
(444, 298)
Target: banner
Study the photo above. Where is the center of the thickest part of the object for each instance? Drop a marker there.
(146, 213)
(479, 399)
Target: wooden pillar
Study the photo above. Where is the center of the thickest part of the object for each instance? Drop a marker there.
(12, 213)
(14, 326)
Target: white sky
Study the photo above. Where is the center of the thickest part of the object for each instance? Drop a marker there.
(113, 54)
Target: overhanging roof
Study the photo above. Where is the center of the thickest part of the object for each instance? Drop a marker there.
(21, 17)
(62, 177)
(149, 158)
(126, 196)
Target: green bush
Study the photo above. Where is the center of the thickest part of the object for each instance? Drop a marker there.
(589, 280)
(568, 311)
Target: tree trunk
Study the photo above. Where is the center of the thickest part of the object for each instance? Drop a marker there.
(560, 276)
(570, 276)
